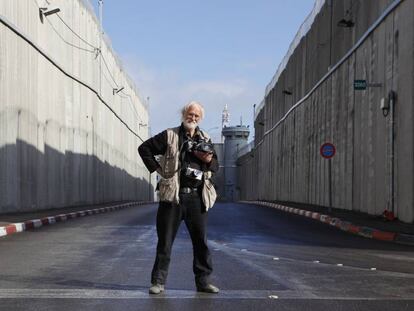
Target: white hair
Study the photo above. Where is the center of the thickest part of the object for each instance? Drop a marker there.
(188, 106)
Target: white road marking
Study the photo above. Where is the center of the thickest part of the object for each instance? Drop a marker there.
(396, 257)
(128, 294)
(232, 251)
(82, 293)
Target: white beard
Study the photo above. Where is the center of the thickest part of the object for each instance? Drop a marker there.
(190, 125)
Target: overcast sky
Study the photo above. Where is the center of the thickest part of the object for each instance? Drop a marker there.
(215, 51)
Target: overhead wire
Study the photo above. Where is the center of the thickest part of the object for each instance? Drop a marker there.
(107, 68)
(348, 54)
(20, 33)
(67, 42)
(63, 39)
(131, 103)
(117, 86)
(127, 96)
(77, 35)
(96, 50)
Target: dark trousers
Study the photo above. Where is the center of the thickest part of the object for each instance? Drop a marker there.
(169, 218)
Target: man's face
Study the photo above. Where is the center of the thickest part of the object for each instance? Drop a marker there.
(192, 117)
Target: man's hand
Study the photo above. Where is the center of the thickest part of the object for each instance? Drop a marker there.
(204, 156)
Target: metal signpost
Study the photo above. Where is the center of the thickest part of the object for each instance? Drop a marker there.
(327, 151)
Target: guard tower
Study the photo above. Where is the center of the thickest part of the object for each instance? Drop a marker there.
(235, 139)
(225, 120)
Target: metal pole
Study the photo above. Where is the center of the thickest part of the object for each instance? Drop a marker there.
(97, 179)
(330, 184)
(330, 34)
(148, 135)
(100, 2)
(392, 121)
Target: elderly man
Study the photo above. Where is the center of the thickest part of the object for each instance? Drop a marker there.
(186, 193)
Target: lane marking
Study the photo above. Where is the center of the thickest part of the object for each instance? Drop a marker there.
(129, 294)
(246, 259)
(82, 293)
(396, 257)
(230, 250)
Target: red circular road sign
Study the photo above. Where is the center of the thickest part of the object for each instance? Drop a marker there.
(327, 150)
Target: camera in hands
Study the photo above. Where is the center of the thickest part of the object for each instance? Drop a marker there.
(194, 173)
(201, 146)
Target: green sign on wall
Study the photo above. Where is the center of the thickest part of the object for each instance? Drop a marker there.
(360, 84)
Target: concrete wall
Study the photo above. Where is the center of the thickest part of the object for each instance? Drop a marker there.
(218, 178)
(329, 109)
(60, 143)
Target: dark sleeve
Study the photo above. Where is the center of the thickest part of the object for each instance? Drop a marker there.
(213, 165)
(156, 145)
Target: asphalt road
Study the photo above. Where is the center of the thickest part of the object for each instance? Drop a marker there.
(263, 259)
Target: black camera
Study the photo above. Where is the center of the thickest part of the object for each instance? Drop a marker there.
(204, 147)
(199, 146)
(193, 173)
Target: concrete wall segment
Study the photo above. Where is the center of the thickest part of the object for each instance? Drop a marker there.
(335, 111)
(404, 110)
(58, 137)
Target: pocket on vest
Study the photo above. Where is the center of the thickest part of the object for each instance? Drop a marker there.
(170, 165)
(166, 189)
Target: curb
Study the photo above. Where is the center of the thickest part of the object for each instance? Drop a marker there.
(346, 226)
(37, 223)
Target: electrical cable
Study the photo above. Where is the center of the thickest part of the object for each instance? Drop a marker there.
(131, 104)
(19, 33)
(67, 42)
(95, 49)
(128, 97)
(63, 39)
(83, 40)
(387, 11)
(107, 68)
(108, 81)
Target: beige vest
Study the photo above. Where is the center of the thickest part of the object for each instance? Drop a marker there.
(169, 170)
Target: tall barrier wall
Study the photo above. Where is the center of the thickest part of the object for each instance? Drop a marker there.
(314, 101)
(70, 118)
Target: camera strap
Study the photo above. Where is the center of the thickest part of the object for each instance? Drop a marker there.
(183, 164)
